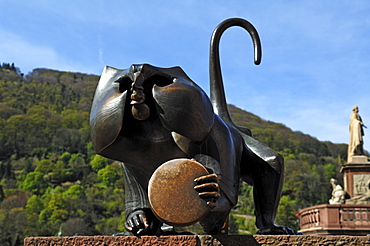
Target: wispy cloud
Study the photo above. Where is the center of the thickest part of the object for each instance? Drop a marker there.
(28, 56)
(14, 49)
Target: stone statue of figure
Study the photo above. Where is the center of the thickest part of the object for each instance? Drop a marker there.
(355, 146)
(338, 194)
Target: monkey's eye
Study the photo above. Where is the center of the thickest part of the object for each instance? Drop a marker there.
(124, 83)
(159, 80)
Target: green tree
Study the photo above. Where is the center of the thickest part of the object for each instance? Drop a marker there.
(65, 157)
(54, 212)
(73, 191)
(34, 205)
(34, 182)
(33, 208)
(99, 162)
(44, 166)
(16, 132)
(60, 173)
(108, 175)
(329, 172)
(77, 160)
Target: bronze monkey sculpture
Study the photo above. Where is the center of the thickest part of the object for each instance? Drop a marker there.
(144, 116)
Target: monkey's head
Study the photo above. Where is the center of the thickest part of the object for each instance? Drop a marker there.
(144, 93)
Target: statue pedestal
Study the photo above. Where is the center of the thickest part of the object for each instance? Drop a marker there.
(235, 240)
(356, 174)
(358, 159)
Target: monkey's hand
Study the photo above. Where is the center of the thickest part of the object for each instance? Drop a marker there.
(139, 223)
(208, 189)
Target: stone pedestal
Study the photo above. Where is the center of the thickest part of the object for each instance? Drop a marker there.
(234, 240)
(356, 175)
(358, 159)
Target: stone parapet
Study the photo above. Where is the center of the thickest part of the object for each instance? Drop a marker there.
(335, 219)
(190, 240)
(113, 241)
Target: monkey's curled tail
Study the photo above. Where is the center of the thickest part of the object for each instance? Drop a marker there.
(217, 90)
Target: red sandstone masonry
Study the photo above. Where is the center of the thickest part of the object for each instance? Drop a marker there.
(182, 240)
(192, 240)
(335, 219)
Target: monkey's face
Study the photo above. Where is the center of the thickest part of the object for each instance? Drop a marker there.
(182, 106)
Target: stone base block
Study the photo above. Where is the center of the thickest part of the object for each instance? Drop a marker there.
(358, 159)
(193, 240)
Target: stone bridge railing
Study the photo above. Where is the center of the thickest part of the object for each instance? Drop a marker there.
(335, 219)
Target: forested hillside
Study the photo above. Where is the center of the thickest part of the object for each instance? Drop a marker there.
(52, 182)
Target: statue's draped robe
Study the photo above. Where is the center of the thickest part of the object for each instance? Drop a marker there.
(356, 133)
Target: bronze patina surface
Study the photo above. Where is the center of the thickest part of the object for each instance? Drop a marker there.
(172, 195)
(145, 116)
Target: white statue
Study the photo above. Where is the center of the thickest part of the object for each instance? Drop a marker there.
(355, 146)
(338, 195)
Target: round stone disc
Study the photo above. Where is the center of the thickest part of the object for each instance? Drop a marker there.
(171, 192)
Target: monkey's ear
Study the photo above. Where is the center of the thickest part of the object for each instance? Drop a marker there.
(107, 109)
(184, 108)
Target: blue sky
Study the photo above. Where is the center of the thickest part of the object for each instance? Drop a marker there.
(315, 63)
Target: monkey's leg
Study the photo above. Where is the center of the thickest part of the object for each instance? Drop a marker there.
(264, 169)
(267, 188)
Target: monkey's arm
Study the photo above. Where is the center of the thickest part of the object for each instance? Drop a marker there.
(139, 217)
